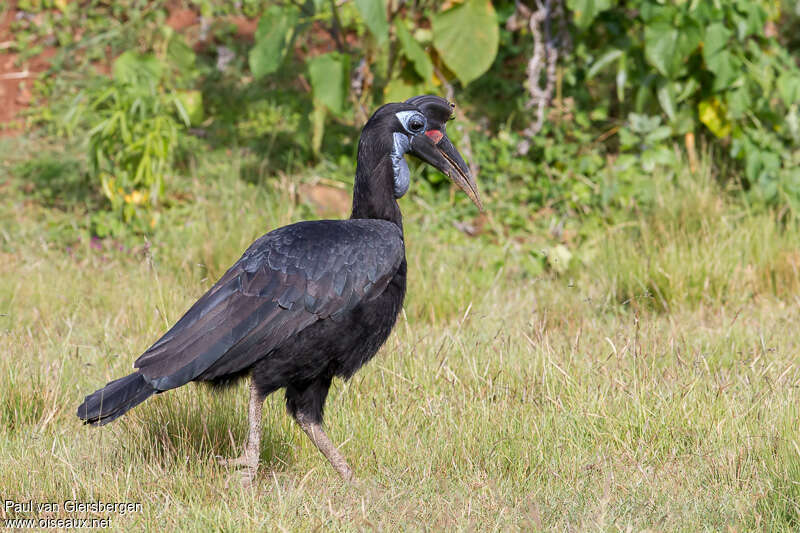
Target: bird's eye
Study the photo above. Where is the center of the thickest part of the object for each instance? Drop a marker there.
(412, 122)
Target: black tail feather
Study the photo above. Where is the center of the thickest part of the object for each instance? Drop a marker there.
(115, 399)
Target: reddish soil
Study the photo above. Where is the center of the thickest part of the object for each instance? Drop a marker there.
(180, 18)
(15, 91)
(17, 77)
(245, 27)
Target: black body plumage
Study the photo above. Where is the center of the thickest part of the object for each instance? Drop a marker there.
(264, 312)
(305, 302)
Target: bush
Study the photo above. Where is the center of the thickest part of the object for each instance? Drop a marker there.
(136, 123)
(675, 68)
(636, 83)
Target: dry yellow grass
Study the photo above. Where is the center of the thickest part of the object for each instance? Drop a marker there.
(654, 386)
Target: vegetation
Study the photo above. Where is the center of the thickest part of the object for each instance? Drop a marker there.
(611, 345)
(502, 400)
(630, 86)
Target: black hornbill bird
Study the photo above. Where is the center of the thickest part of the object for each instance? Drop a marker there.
(308, 301)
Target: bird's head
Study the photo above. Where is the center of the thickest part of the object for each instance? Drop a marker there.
(418, 127)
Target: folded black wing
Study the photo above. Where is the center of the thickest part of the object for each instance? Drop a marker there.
(287, 280)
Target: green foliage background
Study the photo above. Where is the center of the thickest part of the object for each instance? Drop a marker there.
(641, 86)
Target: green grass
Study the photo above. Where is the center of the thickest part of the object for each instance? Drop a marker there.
(652, 386)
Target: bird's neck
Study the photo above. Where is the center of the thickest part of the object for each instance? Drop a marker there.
(373, 190)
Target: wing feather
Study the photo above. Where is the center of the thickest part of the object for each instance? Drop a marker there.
(287, 280)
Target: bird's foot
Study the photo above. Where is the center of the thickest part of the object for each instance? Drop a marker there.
(245, 477)
(345, 471)
(323, 443)
(247, 474)
(243, 460)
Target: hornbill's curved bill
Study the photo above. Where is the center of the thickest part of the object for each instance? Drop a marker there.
(436, 149)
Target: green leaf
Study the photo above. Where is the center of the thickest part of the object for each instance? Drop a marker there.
(690, 38)
(414, 52)
(657, 156)
(715, 39)
(789, 88)
(739, 102)
(180, 57)
(273, 37)
(685, 121)
(661, 42)
(374, 14)
(667, 47)
(191, 103)
(687, 89)
(718, 59)
(466, 37)
(585, 11)
(604, 60)
(752, 23)
(622, 77)
(793, 124)
(666, 97)
(643, 123)
(329, 75)
(317, 127)
(658, 135)
(135, 68)
(400, 90)
(726, 68)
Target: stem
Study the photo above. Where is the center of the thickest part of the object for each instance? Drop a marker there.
(337, 28)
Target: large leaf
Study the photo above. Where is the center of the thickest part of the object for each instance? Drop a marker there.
(789, 88)
(715, 39)
(666, 97)
(713, 114)
(652, 12)
(661, 42)
(329, 80)
(726, 68)
(667, 47)
(724, 65)
(181, 58)
(190, 106)
(585, 11)
(466, 37)
(135, 68)
(374, 14)
(602, 61)
(273, 37)
(414, 52)
(399, 90)
(752, 23)
(739, 102)
(686, 89)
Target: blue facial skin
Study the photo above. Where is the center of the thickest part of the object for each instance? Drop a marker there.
(401, 145)
(402, 176)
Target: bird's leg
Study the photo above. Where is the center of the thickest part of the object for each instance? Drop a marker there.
(305, 402)
(323, 443)
(249, 457)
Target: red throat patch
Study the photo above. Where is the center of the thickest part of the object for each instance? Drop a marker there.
(435, 135)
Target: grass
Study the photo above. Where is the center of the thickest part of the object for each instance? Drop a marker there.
(653, 386)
